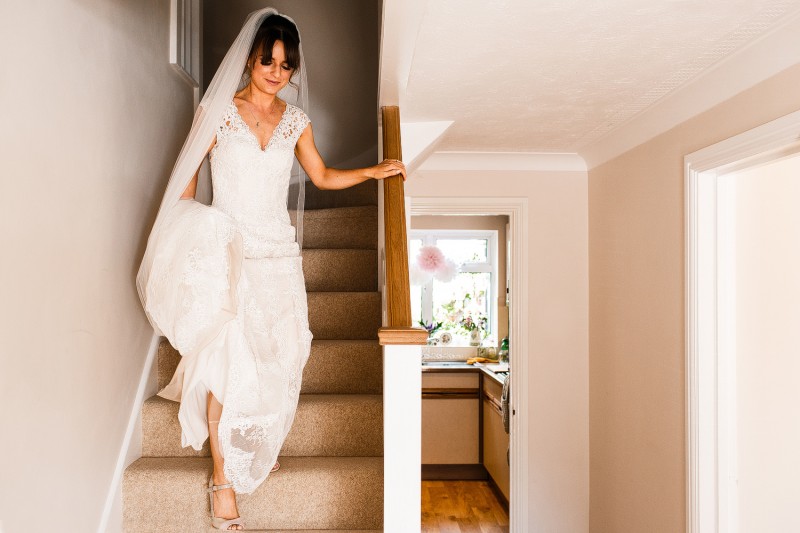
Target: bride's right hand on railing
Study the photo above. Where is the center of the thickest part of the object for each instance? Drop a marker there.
(388, 168)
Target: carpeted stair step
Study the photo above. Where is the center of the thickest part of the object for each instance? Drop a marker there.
(341, 227)
(334, 366)
(169, 495)
(344, 367)
(340, 270)
(344, 315)
(325, 424)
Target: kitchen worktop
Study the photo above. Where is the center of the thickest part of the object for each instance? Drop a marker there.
(460, 366)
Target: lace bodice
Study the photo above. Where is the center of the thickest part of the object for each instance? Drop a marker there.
(251, 184)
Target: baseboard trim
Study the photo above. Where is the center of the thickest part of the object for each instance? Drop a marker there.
(452, 472)
(136, 410)
(498, 493)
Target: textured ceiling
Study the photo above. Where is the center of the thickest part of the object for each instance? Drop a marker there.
(557, 75)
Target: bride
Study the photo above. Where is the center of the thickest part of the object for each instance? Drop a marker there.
(224, 283)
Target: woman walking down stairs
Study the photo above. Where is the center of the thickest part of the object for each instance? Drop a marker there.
(331, 474)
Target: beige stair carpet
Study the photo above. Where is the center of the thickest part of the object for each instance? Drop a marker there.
(331, 476)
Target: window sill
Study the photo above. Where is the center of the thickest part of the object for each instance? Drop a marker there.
(448, 353)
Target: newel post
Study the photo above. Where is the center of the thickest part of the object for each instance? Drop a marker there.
(402, 375)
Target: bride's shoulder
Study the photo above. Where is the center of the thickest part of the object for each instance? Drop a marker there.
(231, 121)
(297, 116)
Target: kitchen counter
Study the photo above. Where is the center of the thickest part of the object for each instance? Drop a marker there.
(460, 366)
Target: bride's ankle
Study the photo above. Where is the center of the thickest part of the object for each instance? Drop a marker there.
(219, 478)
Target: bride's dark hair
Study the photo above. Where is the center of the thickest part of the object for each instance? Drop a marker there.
(277, 28)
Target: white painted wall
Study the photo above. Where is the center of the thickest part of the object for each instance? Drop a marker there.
(93, 120)
(558, 361)
(768, 345)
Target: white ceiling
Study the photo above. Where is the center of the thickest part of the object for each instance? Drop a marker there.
(554, 75)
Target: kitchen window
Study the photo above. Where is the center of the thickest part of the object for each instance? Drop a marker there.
(471, 294)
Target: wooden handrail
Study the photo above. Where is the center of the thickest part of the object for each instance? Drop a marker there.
(398, 300)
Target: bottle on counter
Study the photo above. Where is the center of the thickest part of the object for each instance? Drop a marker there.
(503, 353)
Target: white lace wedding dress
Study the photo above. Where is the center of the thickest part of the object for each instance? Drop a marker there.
(240, 317)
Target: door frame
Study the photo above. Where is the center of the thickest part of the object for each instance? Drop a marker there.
(186, 43)
(517, 211)
(711, 506)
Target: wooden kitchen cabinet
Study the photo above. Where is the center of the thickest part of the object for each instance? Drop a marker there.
(495, 439)
(450, 418)
(462, 427)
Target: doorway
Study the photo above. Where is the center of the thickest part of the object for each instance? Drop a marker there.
(515, 209)
(743, 304)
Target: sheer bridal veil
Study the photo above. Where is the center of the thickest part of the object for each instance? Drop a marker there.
(160, 271)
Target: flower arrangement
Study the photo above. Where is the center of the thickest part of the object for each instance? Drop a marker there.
(469, 324)
(431, 327)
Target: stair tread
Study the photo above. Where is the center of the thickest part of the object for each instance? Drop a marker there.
(305, 493)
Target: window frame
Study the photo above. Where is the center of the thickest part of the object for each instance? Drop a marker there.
(429, 238)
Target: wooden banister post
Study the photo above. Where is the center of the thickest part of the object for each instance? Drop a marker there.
(402, 375)
(398, 301)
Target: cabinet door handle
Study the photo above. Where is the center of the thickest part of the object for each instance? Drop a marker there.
(494, 402)
(449, 393)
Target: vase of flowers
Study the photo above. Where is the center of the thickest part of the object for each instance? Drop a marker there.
(473, 327)
(475, 337)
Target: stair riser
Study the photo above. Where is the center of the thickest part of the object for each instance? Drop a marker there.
(306, 493)
(344, 315)
(340, 270)
(355, 227)
(344, 367)
(363, 194)
(324, 425)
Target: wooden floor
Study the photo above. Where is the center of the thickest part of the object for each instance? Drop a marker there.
(461, 507)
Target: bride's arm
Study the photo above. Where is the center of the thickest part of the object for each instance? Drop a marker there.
(334, 178)
(191, 189)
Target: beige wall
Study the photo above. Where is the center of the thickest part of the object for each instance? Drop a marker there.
(93, 120)
(767, 285)
(636, 257)
(557, 328)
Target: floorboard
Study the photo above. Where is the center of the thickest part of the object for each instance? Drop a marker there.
(461, 507)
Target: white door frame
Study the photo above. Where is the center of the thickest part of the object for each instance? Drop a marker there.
(517, 211)
(186, 43)
(710, 368)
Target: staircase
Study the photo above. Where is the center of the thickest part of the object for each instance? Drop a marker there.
(331, 475)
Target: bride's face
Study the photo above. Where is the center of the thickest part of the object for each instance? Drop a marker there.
(273, 76)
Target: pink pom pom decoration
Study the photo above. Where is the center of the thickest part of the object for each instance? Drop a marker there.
(430, 263)
(446, 272)
(430, 259)
(417, 276)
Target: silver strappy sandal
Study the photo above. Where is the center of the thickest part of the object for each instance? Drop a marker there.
(217, 522)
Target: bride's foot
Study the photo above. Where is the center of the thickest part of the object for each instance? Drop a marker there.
(225, 502)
